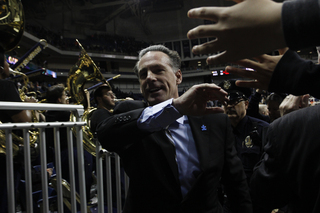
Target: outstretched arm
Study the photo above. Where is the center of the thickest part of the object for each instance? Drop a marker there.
(254, 27)
(247, 29)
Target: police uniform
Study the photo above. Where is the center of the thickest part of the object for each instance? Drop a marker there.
(248, 138)
(249, 131)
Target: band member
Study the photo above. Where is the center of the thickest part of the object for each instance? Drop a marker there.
(104, 98)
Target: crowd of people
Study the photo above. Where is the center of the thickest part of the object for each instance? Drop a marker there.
(183, 155)
(101, 43)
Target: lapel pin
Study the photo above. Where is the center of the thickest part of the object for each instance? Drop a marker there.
(203, 128)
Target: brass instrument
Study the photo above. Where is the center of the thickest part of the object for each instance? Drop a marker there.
(119, 100)
(12, 22)
(15, 146)
(17, 140)
(83, 71)
(66, 193)
(23, 92)
(25, 78)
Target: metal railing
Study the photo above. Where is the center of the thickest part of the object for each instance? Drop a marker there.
(82, 199)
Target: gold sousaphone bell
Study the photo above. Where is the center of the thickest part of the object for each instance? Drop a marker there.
(85, 70)
(11, 23)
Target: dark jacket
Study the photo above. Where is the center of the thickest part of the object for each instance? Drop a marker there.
(149, 161)
(289, 173)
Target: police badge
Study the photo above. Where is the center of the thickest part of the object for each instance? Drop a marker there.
(248, 142)
(226, 85)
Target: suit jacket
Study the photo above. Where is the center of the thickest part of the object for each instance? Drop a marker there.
(149, 161)
(294, 75)
(289, 172)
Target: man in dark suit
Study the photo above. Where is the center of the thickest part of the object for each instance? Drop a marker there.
(176, 150)
(288, 173)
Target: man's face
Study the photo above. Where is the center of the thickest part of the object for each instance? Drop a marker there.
(158, 82)
(64, 98)
(107, 99)
(236, 109)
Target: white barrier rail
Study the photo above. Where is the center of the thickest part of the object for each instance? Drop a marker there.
(78, 112)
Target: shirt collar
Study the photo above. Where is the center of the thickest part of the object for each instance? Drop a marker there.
(183, 119)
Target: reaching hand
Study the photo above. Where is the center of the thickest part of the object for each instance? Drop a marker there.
(292, 103)
(261, 74)
(194, 101)
(245, 30)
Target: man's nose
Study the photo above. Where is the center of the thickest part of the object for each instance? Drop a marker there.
(151, 75)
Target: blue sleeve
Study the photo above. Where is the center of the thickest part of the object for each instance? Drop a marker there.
(158, 117)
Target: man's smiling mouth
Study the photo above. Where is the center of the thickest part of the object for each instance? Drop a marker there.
(154, 90)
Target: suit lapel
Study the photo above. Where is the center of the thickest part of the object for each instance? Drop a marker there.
(202, 140)
(201, 137)
(169, 152)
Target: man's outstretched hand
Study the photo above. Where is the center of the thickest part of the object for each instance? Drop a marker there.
(194, 101)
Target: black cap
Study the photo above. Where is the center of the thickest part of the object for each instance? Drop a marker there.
(97, 92)
(235, 92)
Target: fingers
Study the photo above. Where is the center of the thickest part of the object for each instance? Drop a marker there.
(208, 13)
(219, 58)
(251, 84)
(261, 58)
(206, 48)
(223, 57)
(213, 110)
(242, 72)
(202, 31)
(249, 64)
(211, 92)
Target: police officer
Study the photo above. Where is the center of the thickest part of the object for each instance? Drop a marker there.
(248, 131)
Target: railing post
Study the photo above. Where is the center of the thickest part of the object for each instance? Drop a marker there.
(57, 150)
(28, 169)
(99, 172)
(44, 173)
(10, 174)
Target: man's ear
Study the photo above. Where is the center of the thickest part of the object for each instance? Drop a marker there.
(59, 100)
(246, 104)
(178, 74)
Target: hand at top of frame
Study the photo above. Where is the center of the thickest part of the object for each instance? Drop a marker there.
(194, 101)
(247, 29)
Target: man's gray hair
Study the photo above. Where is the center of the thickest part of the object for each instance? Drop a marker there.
(173, 55)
